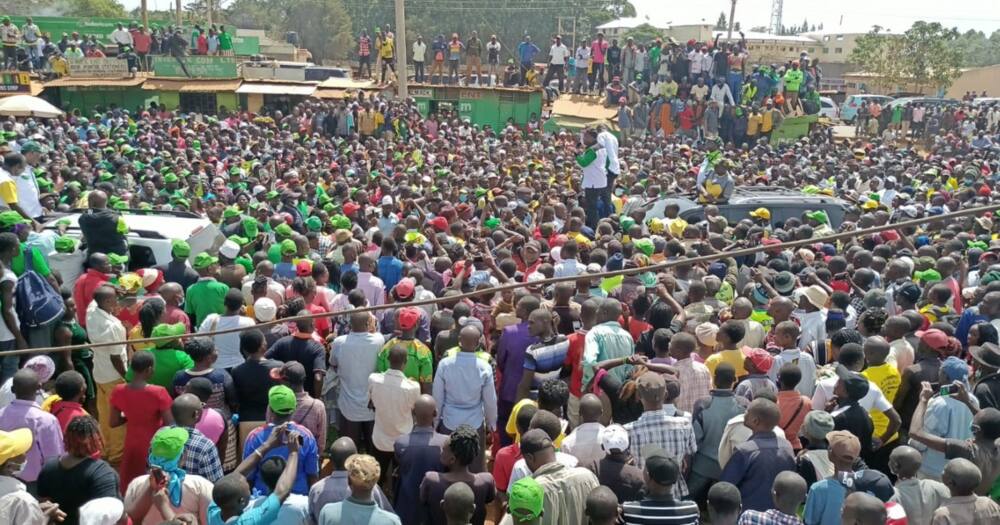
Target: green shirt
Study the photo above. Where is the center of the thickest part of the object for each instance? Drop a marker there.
(225, 41)
(167, 362)
(203, 298)
(17, 264)
(419, 360)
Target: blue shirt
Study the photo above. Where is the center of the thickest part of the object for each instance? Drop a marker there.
(354, 512)
(308, 458)
(948, 418)
(753, 467)
(264, 513)
(970, 317)
(284, 270)
(824, 502)
(464, 391)
(347, 268)
(526, 51)
(390, 270)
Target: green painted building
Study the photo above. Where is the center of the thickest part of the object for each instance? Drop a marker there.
(483, 106)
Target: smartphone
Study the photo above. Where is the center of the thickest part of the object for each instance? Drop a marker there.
(949, 390)
(159, 477)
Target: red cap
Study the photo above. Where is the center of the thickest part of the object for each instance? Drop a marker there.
(462, 208)
(404, 288)
(407, 318)
(304, 268)
(350, 208)
(935, 339)
(761, 359)
(985, 191)
(439, 223)
(770, 241)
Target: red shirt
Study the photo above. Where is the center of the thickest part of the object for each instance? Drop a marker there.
(141, 41)
(66, 411)
(174, 315)
(322, 323)
(635, 327)
(574, 360)
(503, 465)
(83, 293)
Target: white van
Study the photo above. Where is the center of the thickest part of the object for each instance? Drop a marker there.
(149, 239)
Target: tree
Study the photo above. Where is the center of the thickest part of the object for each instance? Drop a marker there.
(721, 24)
(93, 8)
(323, 26)
(758, 29)
(644, 33)
(931, 57)
(821, 26)
(879, 54)
(805, 25)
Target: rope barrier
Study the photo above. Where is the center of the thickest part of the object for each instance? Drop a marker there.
(511, 286)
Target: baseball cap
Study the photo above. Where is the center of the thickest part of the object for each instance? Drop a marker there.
(292, 372)
(404, 288)
(387, 201)
(304, 268)
(761, 359)
(14, 443)
(844, 445)
(933, 338)
(204, 260)
(525, 499)
(281, 400)
(614, 437)
(407, 318)
(229, 250)
(264, 309)
(855, 384)
(816, 425)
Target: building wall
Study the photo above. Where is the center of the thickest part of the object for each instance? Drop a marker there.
(86, 99)
(700, 33)
(976, 79)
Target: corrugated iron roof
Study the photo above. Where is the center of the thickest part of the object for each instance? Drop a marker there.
(272, 88)
(192, 85)
(95, 82)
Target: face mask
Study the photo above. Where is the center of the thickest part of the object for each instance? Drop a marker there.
(619, 192)
(463, 197)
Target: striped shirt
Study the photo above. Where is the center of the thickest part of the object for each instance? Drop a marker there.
(546, 359)
(665, 512)
(768, 517)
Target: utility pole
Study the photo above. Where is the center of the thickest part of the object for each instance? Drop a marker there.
(402, 90)
(210, 7)
(732, 17)
(145, 13)
(179, 11)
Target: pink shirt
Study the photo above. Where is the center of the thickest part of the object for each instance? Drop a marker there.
(597, 50)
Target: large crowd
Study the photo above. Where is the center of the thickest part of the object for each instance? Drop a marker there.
(854, 381)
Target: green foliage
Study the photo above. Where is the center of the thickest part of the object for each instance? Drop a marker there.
(324, 26)
(979, 50)
(926, 55)
(93, 8)
(644, 34)
(721, 23)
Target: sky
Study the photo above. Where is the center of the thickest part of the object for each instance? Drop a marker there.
(850, 15)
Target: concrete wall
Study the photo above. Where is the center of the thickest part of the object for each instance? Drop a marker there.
(977, 79)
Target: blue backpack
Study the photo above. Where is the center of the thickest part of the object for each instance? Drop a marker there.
(37, 303)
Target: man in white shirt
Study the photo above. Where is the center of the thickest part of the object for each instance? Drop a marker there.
(393, 395)
(17, 170)
(595, 177)
(371, 286)
(721, 94)
(558, 55)
(121, 37)
(419, 55)
(32, 36)
(568, 266)
(353, 358)
(786, 334)
(584, 443)
(110, 364)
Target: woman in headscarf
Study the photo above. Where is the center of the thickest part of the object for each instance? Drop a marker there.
(166, 484)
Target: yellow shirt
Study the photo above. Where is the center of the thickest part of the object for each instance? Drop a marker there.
(8, 190)
(766, 121)
(385, 48)
(887, 377)
(753, 124)
(733, 357)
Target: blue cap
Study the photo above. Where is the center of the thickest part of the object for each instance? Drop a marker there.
(955, 369)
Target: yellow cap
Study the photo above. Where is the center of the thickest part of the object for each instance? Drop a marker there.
(761, 213)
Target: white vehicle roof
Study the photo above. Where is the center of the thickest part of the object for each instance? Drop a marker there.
(165, 226)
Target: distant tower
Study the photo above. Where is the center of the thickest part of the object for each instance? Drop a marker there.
(777, 6)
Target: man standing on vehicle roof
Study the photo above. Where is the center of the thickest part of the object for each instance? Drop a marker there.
(103, 228)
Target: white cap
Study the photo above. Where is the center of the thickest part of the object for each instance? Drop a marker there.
(229, 250)
(264, 309)
(614, 437)
(387, 201)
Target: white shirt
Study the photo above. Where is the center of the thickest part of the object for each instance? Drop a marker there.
(568, 268)
(734, 434)
(520, 469)
(374, 290)
(813, 329)
(228, 345)
(5, 333)
(584, 443)
(594, 174)
(275, 291)
(805, 363)
(21, 507)
(900, 354)
(294, 510)
(873, 400)
(419, 51)
(558, 54)
(610, 144)
(103, 327)
(354, 356)
(121, 36)
(27, 193)
(393, 396)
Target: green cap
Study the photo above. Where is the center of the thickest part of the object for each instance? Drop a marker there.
(170, 177)
(65, 244)
(230, 212)
(271, 195)
(281, 400)
(32, 147)
(340, 222)
(288, 247)
(645, 246)
(168, 442)
(204, 260)
(168, 330)
(242, 241)
(283, 230)
(117, 260)
(314, 224)
(927, 276)
(525, 499)
(492, 223)
(818, 216)
(120, 205)
(250, 227)
(9, 219)
(235, 170)
(45, 185)
(626, 223)
(180, 248)
(181, 201)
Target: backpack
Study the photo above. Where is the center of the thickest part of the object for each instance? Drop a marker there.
(37, 303)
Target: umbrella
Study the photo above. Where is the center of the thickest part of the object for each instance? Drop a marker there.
(28, 106)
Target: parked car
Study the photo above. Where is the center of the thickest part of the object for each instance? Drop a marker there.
(828, 108)
(926, 101)
(986, 101)
(849, 110)
(784, 203)
(149, 239)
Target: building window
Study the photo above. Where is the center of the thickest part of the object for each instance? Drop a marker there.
(826, 50)
(812, 49)
(826, 38)
(840, 37)
(838, 50)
